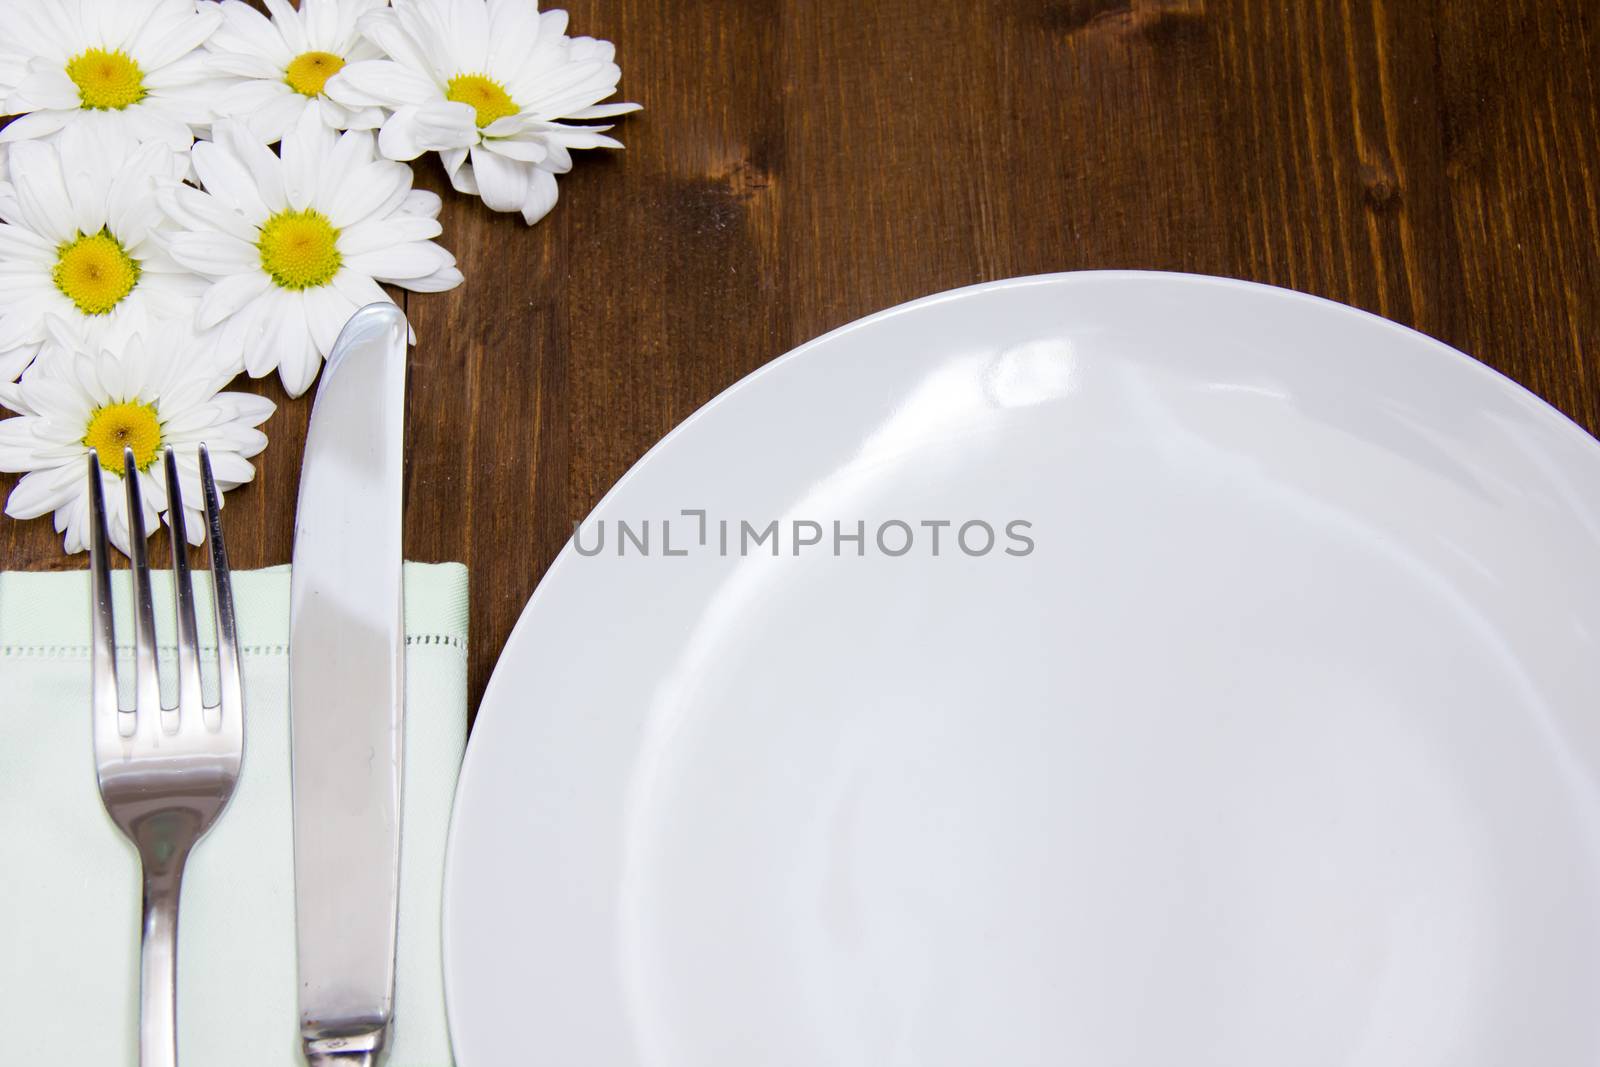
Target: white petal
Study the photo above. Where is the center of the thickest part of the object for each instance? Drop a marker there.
(214, 253)
(358, 148)
(603, 111)
(514, 30)
(251, 65)
(397, 263)
(433, 127)
(376, 234)
(246, 408)
(274, 120)
(305, 149)
(163, 44)
(188, 84)
(20, 329)
(327, 309)
(230, 181)
(244, 29)
(523, 151)
(439, 281)
(558, 89)
(429, 37)
(19, 244)
(130, 208)
(196, 210)
(45, 88)
(139, 124)
(359, 289)
(35, 125)
(298, 366)
(264, 168)
(552, 23)
(398, 137)
(40, 493)
(86, 195)
(447, 124)
(420, 202)
(541, 197)
(586, 48)
(579, 137)
(459, 173)
(464, 181)
(41, 194)
(321, 21)
(384, 29)
(14, 361)
(242, 333)
(341, 117)
(503, 183)
(287, 21)
(559, 161)
(469, 32)
(373, 82)
(247, 97)
(282, 328)
(228, 295)
(233, 468)
(366, 191)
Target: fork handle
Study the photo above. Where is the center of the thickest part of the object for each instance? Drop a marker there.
(158, 968)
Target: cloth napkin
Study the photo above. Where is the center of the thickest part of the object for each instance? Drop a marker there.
(69, 881)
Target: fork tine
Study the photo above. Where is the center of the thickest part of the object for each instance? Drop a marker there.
(146, 682)
(182, 593)
(222, 587)
(103, 639)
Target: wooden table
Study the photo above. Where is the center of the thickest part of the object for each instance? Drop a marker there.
(801, 163)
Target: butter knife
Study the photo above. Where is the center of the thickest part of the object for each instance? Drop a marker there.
(346, 693)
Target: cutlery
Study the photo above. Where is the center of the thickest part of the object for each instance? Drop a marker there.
(165, 774)
(346, 667)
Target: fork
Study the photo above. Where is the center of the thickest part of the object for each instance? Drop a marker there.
(165, 774)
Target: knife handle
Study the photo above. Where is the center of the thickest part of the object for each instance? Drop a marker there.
(345, 1050)
(365, 1057)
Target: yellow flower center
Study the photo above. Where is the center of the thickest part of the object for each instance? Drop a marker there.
(309, 71)
(485, 95)
(94, 272)
(106, 80)
(129, 424)
(299, 249)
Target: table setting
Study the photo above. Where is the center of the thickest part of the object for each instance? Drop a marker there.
(827, 583)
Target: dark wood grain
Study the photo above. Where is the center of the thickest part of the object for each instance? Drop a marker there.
(804, 162)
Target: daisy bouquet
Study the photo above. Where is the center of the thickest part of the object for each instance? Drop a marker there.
(194, 189)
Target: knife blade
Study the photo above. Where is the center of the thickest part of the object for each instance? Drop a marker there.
(346, 692)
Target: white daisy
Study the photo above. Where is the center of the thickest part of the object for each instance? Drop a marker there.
(294, 245)
(286, 61)
(80, 242)
(139, 397)
(485, 84)
(114, 72)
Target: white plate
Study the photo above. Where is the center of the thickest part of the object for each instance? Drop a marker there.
(1280, 747)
